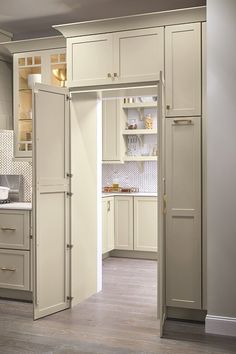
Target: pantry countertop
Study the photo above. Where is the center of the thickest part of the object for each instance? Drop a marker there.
(17, 206)
(134, 194)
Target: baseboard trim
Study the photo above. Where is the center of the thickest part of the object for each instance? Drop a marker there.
(134, 254)
(225, 326)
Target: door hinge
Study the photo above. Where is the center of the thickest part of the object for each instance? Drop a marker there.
(69, 175)
(69, 298)
(68, 97)
(69, 194)
(69, 246)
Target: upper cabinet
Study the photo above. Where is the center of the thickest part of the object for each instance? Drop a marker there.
(120, 57)
(29, 68)
(183, 70)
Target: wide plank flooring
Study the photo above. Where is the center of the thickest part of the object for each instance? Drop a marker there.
(119, 320)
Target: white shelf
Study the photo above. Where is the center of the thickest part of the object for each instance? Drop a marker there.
(140, 158)
(140, 105)
(140, 132)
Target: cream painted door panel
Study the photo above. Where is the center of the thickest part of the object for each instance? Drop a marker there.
(124, 235)
(183, 218)
(50, 200)
(14, 229)
(183, 70)
(145, 224)
(138, 55)
(104, 225)
(14, 269)
(111, 131)
(90, 60)
(110, 224)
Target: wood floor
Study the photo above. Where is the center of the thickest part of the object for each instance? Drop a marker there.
(119, 320)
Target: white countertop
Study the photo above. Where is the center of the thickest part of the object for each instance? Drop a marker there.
(17, 206)
(136, 194)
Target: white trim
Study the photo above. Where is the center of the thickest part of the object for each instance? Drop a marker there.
(225, 326)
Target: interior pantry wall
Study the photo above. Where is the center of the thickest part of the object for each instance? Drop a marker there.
(8, 165)
(142, 175)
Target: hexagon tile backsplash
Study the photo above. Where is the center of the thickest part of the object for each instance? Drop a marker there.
(132, 174)
(8, 165)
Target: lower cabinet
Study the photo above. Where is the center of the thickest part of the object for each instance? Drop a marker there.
(107, 224)
(124, 228)
(136, 223)
(145, 224)
(15, 252)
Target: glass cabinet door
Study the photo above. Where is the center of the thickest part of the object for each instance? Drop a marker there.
(29, 72)
(58, 69)
(48, 67)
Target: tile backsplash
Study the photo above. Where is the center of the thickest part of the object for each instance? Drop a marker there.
(8, 165)
(132, 174)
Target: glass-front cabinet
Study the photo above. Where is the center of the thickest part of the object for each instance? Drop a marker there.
(48, 67)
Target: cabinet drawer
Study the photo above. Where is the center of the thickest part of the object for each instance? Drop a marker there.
(14, 230)
(14, 269)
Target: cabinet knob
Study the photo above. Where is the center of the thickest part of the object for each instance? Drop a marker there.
(167, 106)
(115, 75)
(109, 75)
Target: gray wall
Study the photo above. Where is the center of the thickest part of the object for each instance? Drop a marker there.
(221, 47)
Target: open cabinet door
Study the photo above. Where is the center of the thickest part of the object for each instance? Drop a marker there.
(51, 201)
(161, 206)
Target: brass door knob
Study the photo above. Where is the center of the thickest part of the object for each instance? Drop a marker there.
(109, 75)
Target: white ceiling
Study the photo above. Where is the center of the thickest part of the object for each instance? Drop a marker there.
(31, 18)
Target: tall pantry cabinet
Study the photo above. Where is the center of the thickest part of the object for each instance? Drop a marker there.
(183, 166)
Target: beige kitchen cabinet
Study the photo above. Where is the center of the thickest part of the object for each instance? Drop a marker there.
(15, 253)
(145, 224)
(108, 229)
(115, 58)
(124, 234)
(25, 64)
(33, 61)
(111, 131)
(183, 70)
(183, 212)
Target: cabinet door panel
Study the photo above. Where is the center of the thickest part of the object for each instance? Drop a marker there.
(110, 224)
(145, 224)
(90, 60)
(104, 225)
(111, 131)
(139, 55)
(183, 218)
(124, 223)
(183, 70)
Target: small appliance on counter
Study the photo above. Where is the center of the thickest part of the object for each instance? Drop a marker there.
(14, 183)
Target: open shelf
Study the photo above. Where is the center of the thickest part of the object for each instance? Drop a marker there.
(139, 131)
(140, 105)
(140, 158)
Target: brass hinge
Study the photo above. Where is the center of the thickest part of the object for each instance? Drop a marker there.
(164, 204)
(31, 237)
(69, 194)
(69, 175)
(69, 246)
(69, 298)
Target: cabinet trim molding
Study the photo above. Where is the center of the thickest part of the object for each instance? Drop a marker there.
(125, 23)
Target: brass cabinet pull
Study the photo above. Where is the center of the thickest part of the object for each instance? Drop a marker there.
(109, 75)
(188, 121)
(8, 269)
(167, 106)
(8, 228)
(115, 75)
(164, 204)
(108, 206)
